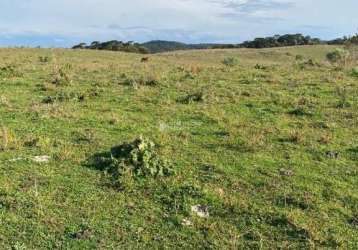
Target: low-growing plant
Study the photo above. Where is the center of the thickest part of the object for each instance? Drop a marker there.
(260, 67)
(339, 56)
(299, 57)
(62, 75)
(44, 59)
(64, 96)
(354, 72)
(138, 159)
(230, 61)
(136, 81)
(9, 71)
(196, 97)
(4, 101)
(4, 138)
(343, 98)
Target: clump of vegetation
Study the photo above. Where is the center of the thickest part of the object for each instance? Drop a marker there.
(339, 56)
(230, 61)
(308, 64)
(299, 57)
(196, 97)
(136, 81)
(9, 71)
(354, 72)
(343, 98)
(300, 110)
(64, 96)
(4, 138)
(62, 75)
(44, 59)
(260, 67)
(138, 158)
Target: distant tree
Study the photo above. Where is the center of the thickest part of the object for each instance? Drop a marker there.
(79, 46)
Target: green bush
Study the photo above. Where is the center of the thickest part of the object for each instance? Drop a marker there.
(299, 57)
(140, 158)
(64, 96)
(62, 75)
(9, 71)
(338, 56)
(230, 61)
(354, 72)
(196, 97)
(44, 59)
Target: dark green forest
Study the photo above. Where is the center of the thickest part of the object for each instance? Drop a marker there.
(158, 46)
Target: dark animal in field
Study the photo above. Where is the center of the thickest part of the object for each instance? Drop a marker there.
(145, 59)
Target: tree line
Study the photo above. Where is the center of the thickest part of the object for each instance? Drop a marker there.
(257, 43)
(114, 45)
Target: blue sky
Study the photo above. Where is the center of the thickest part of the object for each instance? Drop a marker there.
(54, 23)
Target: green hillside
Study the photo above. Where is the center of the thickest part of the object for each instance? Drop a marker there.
(210, 149)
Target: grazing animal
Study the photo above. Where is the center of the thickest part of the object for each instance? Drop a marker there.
(145, 59)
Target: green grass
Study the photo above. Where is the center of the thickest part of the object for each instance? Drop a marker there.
(269, 145)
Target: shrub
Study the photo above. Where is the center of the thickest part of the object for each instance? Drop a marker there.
(299, 57)
(260, 67)
(9, 71)
(140, 158)
(148, 80)
(44, 59)
(230, 61)
(196, 97)
(343, 98)
(61, 75)
(338, 56)
(63, 96)
(308, 64)
(354, 72)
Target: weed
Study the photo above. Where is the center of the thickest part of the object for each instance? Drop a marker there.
(44, 59)
(138, 158)
(135, 82)
(308, 64)
(10, 71)
(4, 138)
(343, 97)
(260, 67)
(338, 56)
(62, 75)
(354, 72)
(196, 97)
(230, 61)
(299, 57)
(64, 96)
(300, 111)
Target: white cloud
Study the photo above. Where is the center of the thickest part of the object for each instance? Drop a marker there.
(185, 20)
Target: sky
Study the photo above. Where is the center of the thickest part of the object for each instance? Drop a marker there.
(63, 23)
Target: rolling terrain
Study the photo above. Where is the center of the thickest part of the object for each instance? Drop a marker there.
(217, 149)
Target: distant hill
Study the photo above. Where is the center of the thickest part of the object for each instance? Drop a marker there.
(158, 46)
(163, 46)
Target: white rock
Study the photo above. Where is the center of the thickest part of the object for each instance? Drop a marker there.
(186, 222)
(200, 210)
(42, 159)
(16, 159)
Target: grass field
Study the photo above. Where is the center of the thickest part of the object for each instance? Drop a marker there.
(267, 145)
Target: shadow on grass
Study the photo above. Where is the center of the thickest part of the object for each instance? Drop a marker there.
(99, 161)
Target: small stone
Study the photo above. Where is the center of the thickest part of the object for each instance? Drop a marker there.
(16, 159)
(186, 222)
(286, 172)
(200, 210)
(42, 159)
